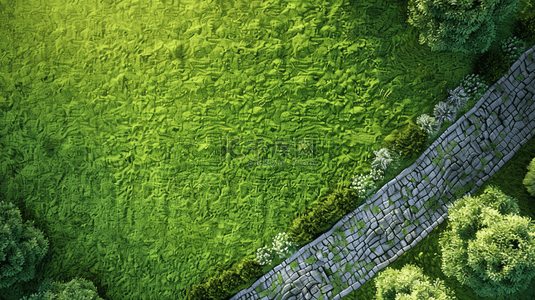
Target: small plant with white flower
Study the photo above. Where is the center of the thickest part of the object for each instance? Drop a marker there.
(457, 98)
(445, 112)
(427, 123)
(382, 159)
(282, 247)
(364, 185)
(264, 256)
(514, 47)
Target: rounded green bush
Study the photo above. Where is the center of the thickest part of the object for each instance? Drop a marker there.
(488, 246)
(343, 201)
(249, 269)
(22, 247)
(411, 141)
(76, 289)
(230, 280)
(409, 283)
(197, 292)
(529, 180)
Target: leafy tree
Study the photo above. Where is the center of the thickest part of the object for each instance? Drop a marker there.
(409, 283)
(488, 246)
(22, 247)
(467, 26)
(76, 289)
(529, 180)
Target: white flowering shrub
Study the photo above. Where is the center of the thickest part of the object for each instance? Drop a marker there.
(377, 174)
(264, 256)
(364, 185)
(382, 159)
(444, 112)
(281, 247)
(427, 123)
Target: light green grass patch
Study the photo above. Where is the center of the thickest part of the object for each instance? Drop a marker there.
(376, 209)
(311, 260)
(294, 264)
(370, 266)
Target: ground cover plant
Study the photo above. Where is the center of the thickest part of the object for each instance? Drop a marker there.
(120, 123)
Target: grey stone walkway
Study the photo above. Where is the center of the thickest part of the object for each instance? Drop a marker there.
(401, 213)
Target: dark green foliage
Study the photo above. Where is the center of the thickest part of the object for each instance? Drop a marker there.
(22, 247)
(198, 292)
(525, 22)
(304, 227)
(230, 280)
(468, 27)
(220, 286)
(76, 289)
(411, 141)
(492, 65)
(342, 202)
(335, 206)
(214, 287)
(249, 269)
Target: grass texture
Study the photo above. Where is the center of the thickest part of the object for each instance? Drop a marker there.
(140, 135)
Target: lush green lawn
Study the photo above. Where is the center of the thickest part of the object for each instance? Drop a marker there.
(114, 115)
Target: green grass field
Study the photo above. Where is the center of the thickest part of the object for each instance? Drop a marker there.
(130, 130)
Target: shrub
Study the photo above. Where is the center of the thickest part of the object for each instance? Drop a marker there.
(513, 48)
(76, 289)
(487, 246)
(383, 159)
(197, 292)
(342, 202)
(458, 26)
(457, 98)
(529, 180)
(230, 280)
(411, 141)
(304, 228)
(335, 206)
(465, 214)
(525, 22)
(214, 287)
(22, 247)
(249, 269)
(409, 283)
(427, 124)
(492, 65)
(445, 112)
